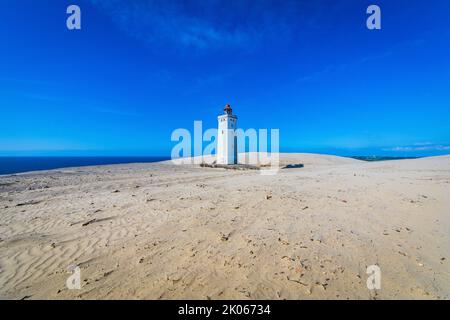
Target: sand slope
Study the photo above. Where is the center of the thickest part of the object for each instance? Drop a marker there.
(160, 231)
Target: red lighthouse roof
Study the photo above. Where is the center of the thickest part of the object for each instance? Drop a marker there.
(228, 109)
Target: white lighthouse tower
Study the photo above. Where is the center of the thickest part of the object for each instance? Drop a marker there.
(226, 137)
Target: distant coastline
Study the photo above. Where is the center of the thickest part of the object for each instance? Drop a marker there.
(12, 165)
(381, 158)
(21, 164)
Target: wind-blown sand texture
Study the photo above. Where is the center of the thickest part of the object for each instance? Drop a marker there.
(164, 231)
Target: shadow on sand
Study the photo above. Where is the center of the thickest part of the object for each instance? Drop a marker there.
(294, 166)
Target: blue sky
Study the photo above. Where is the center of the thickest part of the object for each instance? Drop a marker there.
(137, 70)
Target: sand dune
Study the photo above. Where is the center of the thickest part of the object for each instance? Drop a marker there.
(164, 231)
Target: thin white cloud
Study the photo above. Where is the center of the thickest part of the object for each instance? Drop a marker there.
(201, 25)
(117, 112)
(419, 147)
(363, 60)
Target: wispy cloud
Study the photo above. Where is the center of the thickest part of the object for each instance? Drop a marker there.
(361, 61)
(343, 66)
(202, 25)
(200, 83)
(423, 146)
(32, 96)
(116, 112)
(27, 82)
(91, 105)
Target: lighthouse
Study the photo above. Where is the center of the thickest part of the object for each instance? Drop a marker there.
(226, 137)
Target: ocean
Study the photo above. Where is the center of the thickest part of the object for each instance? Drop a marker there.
(9, 165)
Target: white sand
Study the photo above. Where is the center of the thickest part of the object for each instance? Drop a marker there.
(190, 232)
